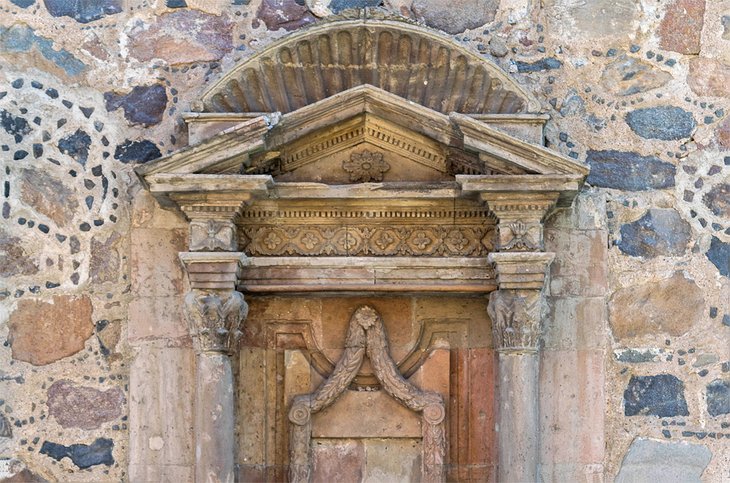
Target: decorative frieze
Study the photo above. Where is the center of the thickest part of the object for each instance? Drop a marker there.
(393, 240)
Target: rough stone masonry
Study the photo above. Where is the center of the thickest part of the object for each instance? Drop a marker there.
(636, 89)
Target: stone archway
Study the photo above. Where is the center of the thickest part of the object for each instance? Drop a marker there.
(367, 173)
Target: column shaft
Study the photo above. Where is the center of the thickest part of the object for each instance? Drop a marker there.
(214, 419)
(517, 417)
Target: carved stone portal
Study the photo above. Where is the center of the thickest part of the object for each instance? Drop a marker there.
(366, 335)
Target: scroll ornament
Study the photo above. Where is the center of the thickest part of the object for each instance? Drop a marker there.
(366, 335)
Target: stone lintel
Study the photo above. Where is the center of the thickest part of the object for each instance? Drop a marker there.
(566, 186)
(367, 274)
(177, 190)
(213, 270)
(521, 270)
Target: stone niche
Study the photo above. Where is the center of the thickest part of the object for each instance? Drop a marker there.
(377, 193)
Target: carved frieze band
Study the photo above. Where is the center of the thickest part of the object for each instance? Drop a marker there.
(366, 335)
(516, 317)
(214, 319)
(309, 240)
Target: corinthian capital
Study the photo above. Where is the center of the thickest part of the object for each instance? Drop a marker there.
(516, 319)
(214, 319)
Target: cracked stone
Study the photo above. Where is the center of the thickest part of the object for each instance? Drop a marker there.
(143, 105)
(455, 16)
(47, 195)
(661, 395)
(665, 122)
(660, 232)
(628, 75)
(681, 26)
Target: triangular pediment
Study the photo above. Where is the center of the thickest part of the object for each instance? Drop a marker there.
(370, 119)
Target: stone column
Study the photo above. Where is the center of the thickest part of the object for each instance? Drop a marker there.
(215, 311)
(516, 312)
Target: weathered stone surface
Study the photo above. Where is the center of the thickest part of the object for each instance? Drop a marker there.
(651, 460)
(708, 77)
(664, 122)
(15, 471)
(661, 395)
(322, 8)
(104, 263)
(392, 460)
(286, 14)
(719, 255)
(142, 105)
(722, 133)
(659, 232)
(6, 430)
(629, 75)
(48, 196)
(681, 27)
(14, 259)
(182, 37)
(629, 171)
(82, 406)
(83, 12)
(655, 308)
(597, 18)
(718, 397)
(42, 332)
(23, 3)
(83, 455)
(634, 356)
(337, 460)
(76, 145)
(137, 152)
(457, 16)
(23, 39)
(717, 199)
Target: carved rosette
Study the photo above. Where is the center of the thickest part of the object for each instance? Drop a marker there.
(365, 167)
(366, 335)
(214, 319)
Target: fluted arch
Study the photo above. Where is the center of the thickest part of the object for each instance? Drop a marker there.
(411, 61)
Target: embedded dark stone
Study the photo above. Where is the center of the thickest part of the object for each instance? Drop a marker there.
(339, 5)
(83, 455)
(454, 16)
(666, 123)
(719, 255)
(76, 145)
(83, 12)
(661, 395)
(718, 200)
(726, 320)
(660, 232)
(718, 397)
(635, 356)
(286, 14)
(21, 38)
(137, 151)
(6, 430)
(23, 3)
(143, 105)
(629, 171)
(176, 3)
(544, 64)
(14, 125)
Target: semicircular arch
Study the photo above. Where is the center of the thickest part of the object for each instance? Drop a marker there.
(419, 64)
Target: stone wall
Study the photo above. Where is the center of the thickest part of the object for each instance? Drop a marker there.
(638, 362)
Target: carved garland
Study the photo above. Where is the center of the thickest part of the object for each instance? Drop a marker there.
(366, 335)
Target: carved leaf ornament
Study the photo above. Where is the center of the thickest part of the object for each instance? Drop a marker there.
(366, 335)
(365, 167)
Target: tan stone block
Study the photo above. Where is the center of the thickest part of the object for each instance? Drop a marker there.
(156, 269)
(147, 213)
(283, 309)
(681, 27)
(572, 406)
(161, 474)
(471, 310)
(378, 416)
(251, 412)
(297, 375)
(576, 323)
(43, 332)
(435, 373)
(337, 460)
(156, 318)
(392, 460)
(580, 265)
(161, 393)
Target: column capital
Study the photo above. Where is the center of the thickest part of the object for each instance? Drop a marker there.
(214, 319)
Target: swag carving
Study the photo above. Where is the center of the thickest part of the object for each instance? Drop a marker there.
(516, 316)
(214, 319)
(366, 335)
